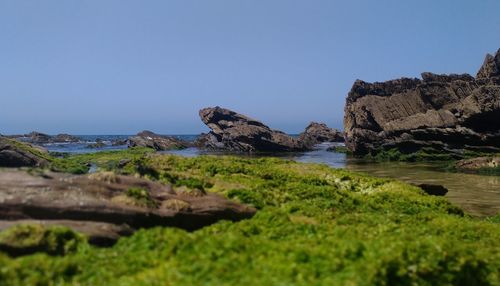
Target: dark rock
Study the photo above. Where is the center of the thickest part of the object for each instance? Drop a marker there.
(433, 190)
(64, 138)
(235, 132)
(443, 112)
(17, 154)
(119, 142)
(106, 206)
(38, 138)
(97, 145)
(155, 141)
(316, 133)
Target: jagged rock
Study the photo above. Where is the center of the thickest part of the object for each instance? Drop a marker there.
(155, 141)
(443, 112)
(478, 163)
(38, 138)
(106, 206)
(17, 154)
(316, 133)
(236, 132)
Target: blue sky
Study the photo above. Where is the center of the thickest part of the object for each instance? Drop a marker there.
(118, 67)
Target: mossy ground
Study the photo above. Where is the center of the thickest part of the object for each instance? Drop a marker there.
(314, 226)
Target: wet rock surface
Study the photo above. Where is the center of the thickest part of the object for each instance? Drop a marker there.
(155, 141)
(231, 131)
(17, 154)
(105, 206)
(316, 133)
(443, 112)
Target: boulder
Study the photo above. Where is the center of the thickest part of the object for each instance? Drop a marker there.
(105, 206)
(316, 133)
(231, 131)
(478, 163)
(155, 141)
(443, 112)
(17, 154)
(433, 190)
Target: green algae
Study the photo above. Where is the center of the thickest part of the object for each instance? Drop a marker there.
(314, 226)
(30, 238)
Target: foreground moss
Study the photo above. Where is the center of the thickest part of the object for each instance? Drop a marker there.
(315, 226)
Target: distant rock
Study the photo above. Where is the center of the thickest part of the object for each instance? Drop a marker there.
(39, 138)
(105, 206)
(155, 141)
(42, 138)
(316, 133)
(236, 132)
(64, 138)
(17, 154)
(442, 112)
(97, 145)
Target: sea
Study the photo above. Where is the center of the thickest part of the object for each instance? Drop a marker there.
(477, 194)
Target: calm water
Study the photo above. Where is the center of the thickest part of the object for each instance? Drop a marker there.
(477, 194)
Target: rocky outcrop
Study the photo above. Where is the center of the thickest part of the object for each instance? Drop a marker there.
(316, 133)
(106, 206)
(231, 131)
(42, 138)
(443, 112)
(478, 163)
(17, 154)
(155, 141)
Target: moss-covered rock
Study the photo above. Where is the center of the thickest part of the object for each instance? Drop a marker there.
(30, 238)
(315, 226)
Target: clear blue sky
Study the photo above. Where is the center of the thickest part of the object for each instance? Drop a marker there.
(117, 67)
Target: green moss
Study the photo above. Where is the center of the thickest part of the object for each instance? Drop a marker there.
(30, 238)
(315, 226)
(141, 197)
(106, 160)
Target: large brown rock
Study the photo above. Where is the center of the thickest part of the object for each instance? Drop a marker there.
(17, 154)
(232, 131)
(105, 205)
(444, 112)
(316, 133)
(155, 141)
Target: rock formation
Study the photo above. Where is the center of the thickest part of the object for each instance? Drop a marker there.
(155, 141)
(478, 163)
(236, 132)
(316, 133)
(443, 112)
(105, 206)
(17, 154)
(41, 138)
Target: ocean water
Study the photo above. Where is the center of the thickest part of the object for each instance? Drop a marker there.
(476, 194)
